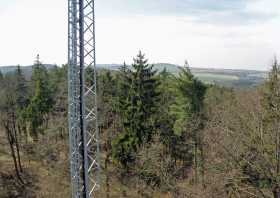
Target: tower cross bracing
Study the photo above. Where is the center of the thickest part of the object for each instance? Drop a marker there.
(82, 99)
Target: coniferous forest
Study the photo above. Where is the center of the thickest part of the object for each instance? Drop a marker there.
(162, 135)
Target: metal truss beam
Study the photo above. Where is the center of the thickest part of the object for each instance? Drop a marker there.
(82, 99)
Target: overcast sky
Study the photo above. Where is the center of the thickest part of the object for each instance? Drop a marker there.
(208, 33)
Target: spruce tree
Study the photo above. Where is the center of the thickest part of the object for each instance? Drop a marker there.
(271, 101)
(144, 99)
(21, 101)
(21, 89)
(41, 100)
(165, 118)
(1, 77)
(124, 81)
(188, 111)
(138, 98)
(190, 96)
(271, 106)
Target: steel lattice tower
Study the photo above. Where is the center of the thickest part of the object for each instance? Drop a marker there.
(82, 99)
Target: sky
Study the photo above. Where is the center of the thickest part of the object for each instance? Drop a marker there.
(236, 34)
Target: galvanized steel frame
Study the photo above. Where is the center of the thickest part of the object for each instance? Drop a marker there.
(82, 99)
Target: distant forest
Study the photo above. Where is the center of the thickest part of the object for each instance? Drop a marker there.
(223, 77)
(163, 134)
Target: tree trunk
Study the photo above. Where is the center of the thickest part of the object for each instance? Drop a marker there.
(11, 143)
(108, 151)
(278, 149)
(18, 152)
(276, 192)
(17, 144)
(195, 158)
(106, 170)
(202, 160)
(107, 176)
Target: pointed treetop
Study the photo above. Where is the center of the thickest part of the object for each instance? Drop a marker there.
(140, 54)
(37, 60)
(140, 59)
(18, 70)
(275, 62)
(186, 71)
(275, 65)
(123, 68)
(1, 75)
(186, 64)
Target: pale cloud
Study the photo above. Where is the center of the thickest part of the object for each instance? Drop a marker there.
(29, 27)
(231, 34)
(226, 12)
(172, 39)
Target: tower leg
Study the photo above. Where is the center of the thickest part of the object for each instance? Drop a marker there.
(82, 99)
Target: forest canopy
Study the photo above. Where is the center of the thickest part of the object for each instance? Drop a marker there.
(161, 135)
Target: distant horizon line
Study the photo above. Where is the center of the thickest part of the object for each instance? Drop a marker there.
(118, 64)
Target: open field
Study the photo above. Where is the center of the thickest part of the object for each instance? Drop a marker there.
(211, 78)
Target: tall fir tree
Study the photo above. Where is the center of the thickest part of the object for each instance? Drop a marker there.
(271, 101)
(1, 77)
(21, 101)
(190, 97)
(139, 104)
(271, 118)
(21, 89)
(124, 81)
(41, 99)
(144, 99)
(188, 111)
(166, 119)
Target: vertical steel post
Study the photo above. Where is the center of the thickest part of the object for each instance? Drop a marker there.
(82, 99)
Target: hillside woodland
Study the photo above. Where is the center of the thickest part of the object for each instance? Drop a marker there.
(161, 135)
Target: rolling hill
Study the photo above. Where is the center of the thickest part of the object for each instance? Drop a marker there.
(223, 77)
